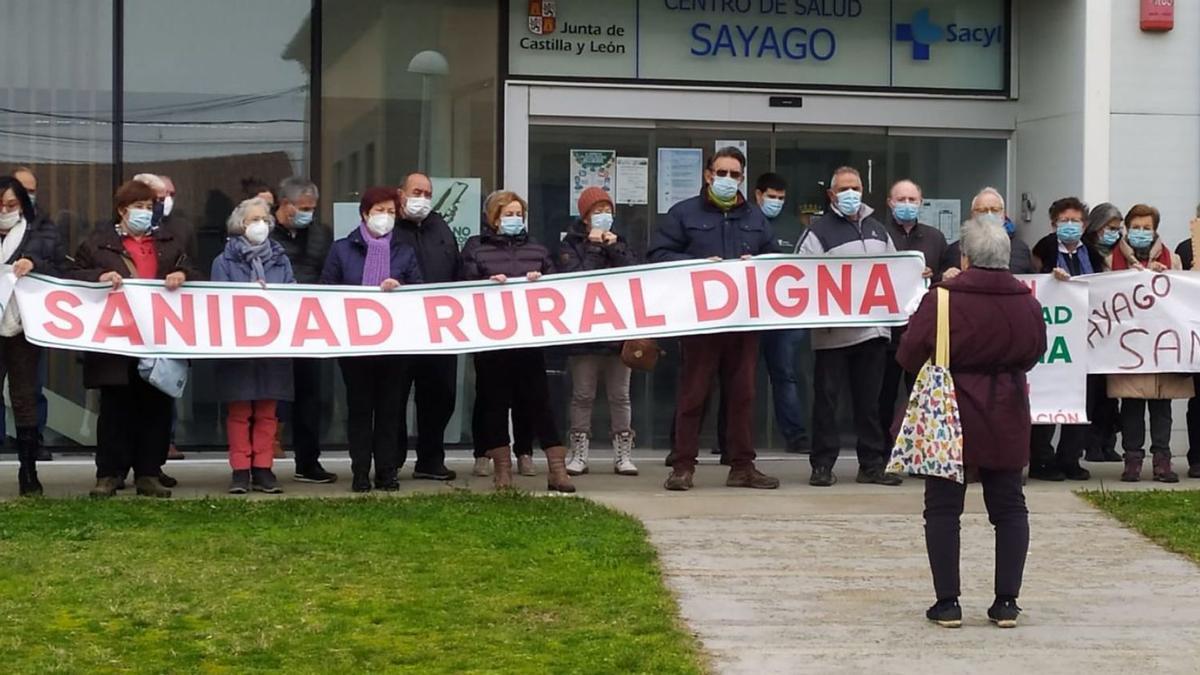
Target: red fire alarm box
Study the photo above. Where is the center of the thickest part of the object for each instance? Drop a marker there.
(1158, 15)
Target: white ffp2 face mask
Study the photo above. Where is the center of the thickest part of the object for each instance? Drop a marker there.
(417, 207)
(9, 220)
(257, 231)
(381, 224)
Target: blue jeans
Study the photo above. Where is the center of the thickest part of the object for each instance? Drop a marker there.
(782, 350)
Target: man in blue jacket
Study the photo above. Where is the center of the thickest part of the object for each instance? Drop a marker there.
(717, 224)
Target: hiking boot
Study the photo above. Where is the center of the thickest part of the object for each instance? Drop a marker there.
(577, 456)
(750, 477)
(166, 481)
(680, 480)
(1073, 471)
(623, 454)
(239, 483)
(525, 465)
(483, 467)
(557, 479)
(1047, 473)
(501, 467)
(1004, 613)
(314, 474)
(945, 613)
(822, 476)
(1162, 469)
(1194, 471)
(105, 487)
(148, 486)
(1133, 468)
(441, 473)
(360, 483)
(877, 476)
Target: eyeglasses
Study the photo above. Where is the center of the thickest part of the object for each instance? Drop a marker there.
(736, 175)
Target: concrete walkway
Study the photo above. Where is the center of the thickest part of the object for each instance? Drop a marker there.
(835, 581)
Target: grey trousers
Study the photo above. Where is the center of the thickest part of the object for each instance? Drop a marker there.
(586, 372)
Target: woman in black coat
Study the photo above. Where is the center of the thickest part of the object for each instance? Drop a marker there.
(27, 244)
(512, 379)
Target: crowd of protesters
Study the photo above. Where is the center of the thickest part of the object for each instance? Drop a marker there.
(275, 238)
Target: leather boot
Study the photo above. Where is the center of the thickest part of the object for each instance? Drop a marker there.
(148, 486)
(557, 479)
(1162, 468)
(501, 467)
(1133, 467)
(27, 451)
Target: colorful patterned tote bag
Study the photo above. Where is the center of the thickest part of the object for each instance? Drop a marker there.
(930, 442)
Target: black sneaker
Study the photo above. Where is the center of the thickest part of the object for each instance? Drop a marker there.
(1047, 473)
(945, 613)
(822, 476)
(877, 476)
(360, 484)
(166, 481)
(1004, 613)
(314, 474)
(240, 483)
(1075, 472)
(440, 473)
(263, 480)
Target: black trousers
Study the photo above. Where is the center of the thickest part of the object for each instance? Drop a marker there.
(1193, 426)
(1133, 423)
(20, 360)
(306, 413)
(1070, 444)
(434, 378)
(372, 422)
(512, 380)
(859, 367)
(893, 375)
(133, 429)
(1005, 502)
(522, 432)
(1104, 412)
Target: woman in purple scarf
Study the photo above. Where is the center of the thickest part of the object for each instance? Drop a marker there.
(371, 256)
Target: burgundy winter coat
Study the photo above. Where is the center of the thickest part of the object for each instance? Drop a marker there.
(996, 336)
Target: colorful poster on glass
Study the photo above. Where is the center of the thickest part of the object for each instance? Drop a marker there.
(591, 168)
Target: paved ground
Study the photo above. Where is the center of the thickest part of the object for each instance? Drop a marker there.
(835, 581)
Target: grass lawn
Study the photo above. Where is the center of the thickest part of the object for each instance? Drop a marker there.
(1169, 517)
(447, 583)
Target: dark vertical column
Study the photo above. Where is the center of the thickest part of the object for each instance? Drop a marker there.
(118, 94)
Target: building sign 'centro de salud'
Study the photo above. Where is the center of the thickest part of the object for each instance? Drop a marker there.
(923, 44)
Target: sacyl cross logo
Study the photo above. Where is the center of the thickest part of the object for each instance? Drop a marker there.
(921, 32)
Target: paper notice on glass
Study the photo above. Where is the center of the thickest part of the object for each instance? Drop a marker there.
(591, 168)
(745, 148)
(944, 214)
(633, 180)
(680, 174)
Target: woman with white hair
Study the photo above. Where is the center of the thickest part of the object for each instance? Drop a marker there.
(251, 387)
(996, 336)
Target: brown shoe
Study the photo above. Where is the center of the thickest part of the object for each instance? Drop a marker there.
(148, 486)
(1162, 469)
(750, 477)
(105, 487)
(557, 479)
(501, 467)
(525, 465)
(680, 480)
(1133, 469)
(277, 444)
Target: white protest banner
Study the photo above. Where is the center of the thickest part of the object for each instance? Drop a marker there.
(212, 320)
(1058, 384)
(1144, 322)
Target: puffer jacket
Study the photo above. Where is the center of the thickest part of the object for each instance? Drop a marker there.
(577, 253)
(486, 255)
(1151, 386)
(348, 255)
(43, 246)
(833, 234)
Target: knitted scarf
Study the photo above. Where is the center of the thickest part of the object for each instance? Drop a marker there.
(378, 265)
(237, 248)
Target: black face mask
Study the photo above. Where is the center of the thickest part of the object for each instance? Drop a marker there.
(156, 219)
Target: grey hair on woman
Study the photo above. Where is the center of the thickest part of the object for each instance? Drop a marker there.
(1100, 216)
(985, 245)
(236, 226)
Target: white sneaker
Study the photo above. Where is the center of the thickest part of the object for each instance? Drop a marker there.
(483, 467)
(623, 461)
(577, 455)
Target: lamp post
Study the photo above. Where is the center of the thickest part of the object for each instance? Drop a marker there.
(428, 64)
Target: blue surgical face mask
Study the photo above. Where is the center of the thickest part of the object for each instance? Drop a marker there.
(849, 201)
(602, 221)
(138, 221)
(772, 206)
(724, 187)
(1070, 232)
(1110, 237)
(1140, 239)
(512, 225)
(906, 212)
(302, 219)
